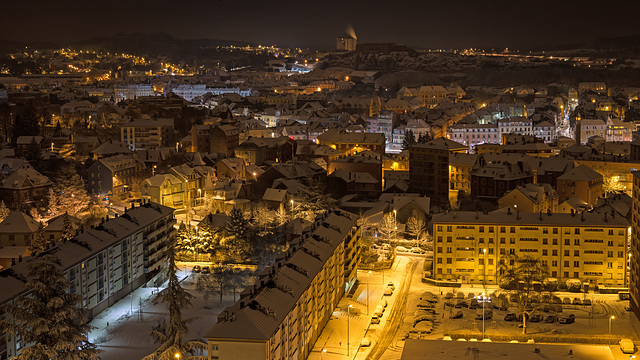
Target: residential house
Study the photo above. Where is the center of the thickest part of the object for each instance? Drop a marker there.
(581, 182)
(210, 139)
(24, 189)
(531, 198)
(114, 175)
(18, 229)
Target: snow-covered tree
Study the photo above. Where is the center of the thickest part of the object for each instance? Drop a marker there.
(388, 226)
(223, 279)
(311, 200)
(39, 245)
(281, 215)
(48, 316)
(416, 226)
(68, 194)
(4, 211)
(68, 230)
(237, 238)
(172, 339)
(612, 185)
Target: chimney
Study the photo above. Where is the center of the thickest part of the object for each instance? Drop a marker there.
(517, 215)
(573, 213)
(509, 210)
(582, 216)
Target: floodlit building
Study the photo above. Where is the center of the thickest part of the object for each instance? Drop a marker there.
(103, 264)
(282, 315)
(131, 92)
(587, 246)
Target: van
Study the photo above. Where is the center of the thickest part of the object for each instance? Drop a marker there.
(627, 346)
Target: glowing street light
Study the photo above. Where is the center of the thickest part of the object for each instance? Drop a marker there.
(348, 314)
(610, 318)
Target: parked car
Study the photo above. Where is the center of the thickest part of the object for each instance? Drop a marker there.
(566, 301)
(448, 296)
(365, 342)
(457, 315)
(378, 311)
(388, 292)
(461, 304)
(551, 319)
(536, 318)
(556, 300)
(383, 303)
(488, 314)
(460, 295)
(587, 302)
(577, 301)
(401, 249)
(426, 304)
(567, 319)
(196, 269)
(417, 250)
(206, 270)
(473, 304)
(375, 320)
(390, 285)
(510, 317)
(422, 318)
(627, 346)
(546, 308)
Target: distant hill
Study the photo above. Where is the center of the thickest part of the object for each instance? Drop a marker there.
(154, 44)
(10, 46)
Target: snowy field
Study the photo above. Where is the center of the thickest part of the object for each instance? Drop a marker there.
(127, 336)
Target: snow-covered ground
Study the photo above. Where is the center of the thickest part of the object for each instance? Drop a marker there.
(127, 336)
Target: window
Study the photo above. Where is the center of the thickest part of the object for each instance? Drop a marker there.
(545, 230)
(554, 263)
(490, 261)
(555, 252)
(576, 264)
(481, 229)
(566, 253)
(566, 264)
(490, 251)
(555, 230)
(512, 230)
(576, 241)
(576, 231)
(620, 254)
(448, 250)
(481, 241)
(448, 238)
(439, 260)
(609, 265)
(576, 252)
(610, 253)
(439, 227)
(502, 240)
(512, 240)
(555, 241)
(490, 229)
(439, 270)
(621, 232)
(544, 252)
(610, 243)
(439, 238)
(449, 228)
(448, 260)
(481, 261)
(567, 242)
(502, 251)
(439, 249)
(545, 241)
(610, 232)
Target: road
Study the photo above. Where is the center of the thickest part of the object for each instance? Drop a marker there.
(397, 314)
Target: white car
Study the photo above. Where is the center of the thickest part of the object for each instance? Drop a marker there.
(417, 250)
(391, 285)
(402, 249)
(388, 292)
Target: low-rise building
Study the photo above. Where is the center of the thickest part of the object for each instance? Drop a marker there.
(25, 188)
(531, 198)
(146, 133)
(114, 175)
(582, 182)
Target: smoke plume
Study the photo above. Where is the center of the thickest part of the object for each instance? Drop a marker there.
(351, 32)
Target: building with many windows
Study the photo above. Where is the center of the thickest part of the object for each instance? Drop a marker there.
(282, 315)
(469, 246)
(103, 264)
(634, 253)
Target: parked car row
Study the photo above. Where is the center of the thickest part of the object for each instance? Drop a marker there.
(425, 315)
(562, 319)
(201, 269)
(379, 311)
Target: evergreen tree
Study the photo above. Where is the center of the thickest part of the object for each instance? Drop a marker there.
(172, 339)
(311, 200)
(424, 138)
(237, 236)
(68, 194)
(25, 123)
(68, 230)
(4, 211)
(40, 243)
(34, 155)
(48, 317)
(409, 140)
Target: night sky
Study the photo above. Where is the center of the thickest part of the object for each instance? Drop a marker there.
(424, 24)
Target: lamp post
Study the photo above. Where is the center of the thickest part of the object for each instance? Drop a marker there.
(322, 354)
(610, 318)
(153, 170)
(368, 276)
(348, 314)
(484, 269)
(483, 301)
(291, 201)
(177, 356)
(199, 196)
(186, 189)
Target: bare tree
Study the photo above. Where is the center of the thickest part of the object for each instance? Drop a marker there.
(388, 226)
(523, 277)
(416, 226)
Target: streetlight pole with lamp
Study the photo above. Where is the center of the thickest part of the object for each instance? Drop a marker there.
(348, 314)
(484, 270)
(610, 318)
(368, 276)
(484, 298)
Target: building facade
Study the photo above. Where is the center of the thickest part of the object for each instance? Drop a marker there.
(103, 264)
(282, 315)
(590, 247)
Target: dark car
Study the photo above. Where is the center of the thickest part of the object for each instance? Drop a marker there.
(473, 304)
(551, 319)
(536, 318)
(461, 304)
(196, 269)
(567, 319)
(206, 270)
(510, 317)
(587, 302)
(457, 315)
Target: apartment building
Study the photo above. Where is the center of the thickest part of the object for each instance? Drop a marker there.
(103, 264)
(282, 315)
(634, 266)
(114, 175)
(131, 92)
(587, 246)
(474, 134)
(353, 142)
(146, 133)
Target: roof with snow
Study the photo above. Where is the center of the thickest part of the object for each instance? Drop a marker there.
(18, 223)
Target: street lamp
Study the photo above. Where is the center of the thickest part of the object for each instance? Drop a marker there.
(325, 350)
(177, 356)
(153, 171)
(291, 201)
(348, 314)
(610, 318)
(368, 276)
(484, 269)
(483, 301)
(395, 216)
